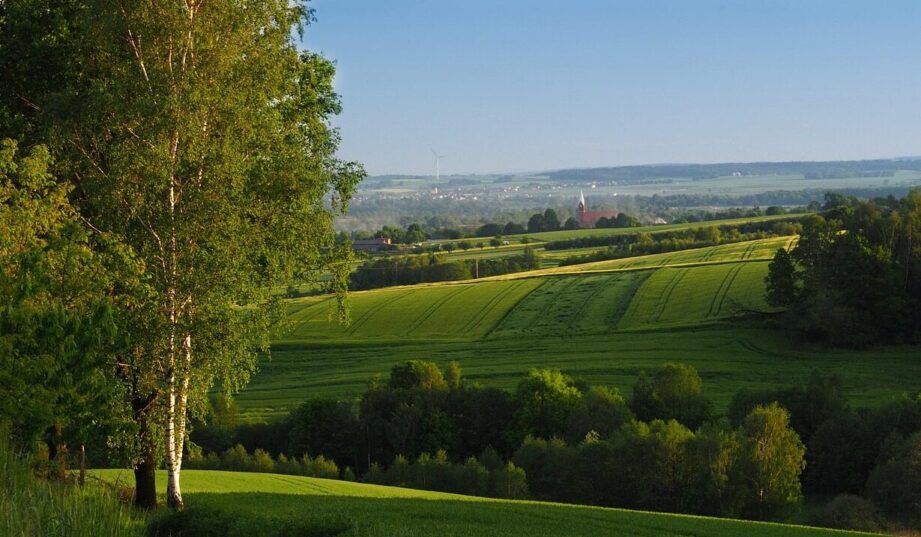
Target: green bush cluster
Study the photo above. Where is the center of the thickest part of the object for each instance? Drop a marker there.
(413, 269)
(239, 460)
(486, 476)
(752, 471)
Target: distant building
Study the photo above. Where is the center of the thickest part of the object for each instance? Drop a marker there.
(590, 218)
(370, 245)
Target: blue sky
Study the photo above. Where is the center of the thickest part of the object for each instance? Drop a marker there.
(514, 85)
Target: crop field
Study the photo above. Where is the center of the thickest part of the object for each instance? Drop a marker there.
(361, 510)
(582, 298)
(680, 296)
(568, 305)
(601, 322)
(759, 250)
(455, 311)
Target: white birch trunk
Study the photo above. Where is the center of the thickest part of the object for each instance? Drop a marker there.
(180, 411)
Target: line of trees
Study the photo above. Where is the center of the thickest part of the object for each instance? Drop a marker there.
(413, 269)
(555, 438)
(552, 438)
(713, 233)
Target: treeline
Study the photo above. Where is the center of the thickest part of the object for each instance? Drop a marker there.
(854, 277)
(447, 228)
(556, 438)
(413, 269)
(702, 233)
(646, 243)
(631, 174)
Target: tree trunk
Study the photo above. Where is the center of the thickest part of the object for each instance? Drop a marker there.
(173, 457)
(145, 483)
(173, 492)
(82, 464)
(145, 476)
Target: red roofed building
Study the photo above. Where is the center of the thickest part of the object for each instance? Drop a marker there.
(590, 218)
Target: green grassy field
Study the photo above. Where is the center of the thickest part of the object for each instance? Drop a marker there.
(372, 511)
(582, 298)
(602, 322)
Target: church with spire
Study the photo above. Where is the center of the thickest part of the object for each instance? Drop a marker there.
(590, 218)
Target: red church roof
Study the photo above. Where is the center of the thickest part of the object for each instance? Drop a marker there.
(590, 218)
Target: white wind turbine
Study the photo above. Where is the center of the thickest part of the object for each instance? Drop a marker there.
(437, 165)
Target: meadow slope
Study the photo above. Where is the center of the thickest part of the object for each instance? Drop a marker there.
(603, 322)
(375, 511)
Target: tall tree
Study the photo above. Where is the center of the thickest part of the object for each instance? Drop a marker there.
(199, 134)
(57, 329)
(772, 458)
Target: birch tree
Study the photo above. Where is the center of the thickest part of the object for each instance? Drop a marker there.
(198, 133)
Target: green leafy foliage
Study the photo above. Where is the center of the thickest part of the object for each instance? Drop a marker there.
(853, 278)
(200, 136)
(58, 329)
(673, 393)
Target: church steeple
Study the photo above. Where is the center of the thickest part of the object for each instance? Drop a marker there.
(581, 202)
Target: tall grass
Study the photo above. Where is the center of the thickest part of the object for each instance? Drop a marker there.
(30, 507)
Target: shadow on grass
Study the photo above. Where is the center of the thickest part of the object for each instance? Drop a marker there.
(276, 515)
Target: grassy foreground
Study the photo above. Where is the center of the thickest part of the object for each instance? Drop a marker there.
(373, 511)
(30, 507)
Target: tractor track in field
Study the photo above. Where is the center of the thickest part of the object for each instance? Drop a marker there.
(709, 254)
(424, 316)
(480, 315)
(733, 274)
(297, 323)
(667, 293)
(637, 281)
(577, 314)
(371, 312)
(570, 281)
(720, 291)
(512, 309)
(749, 251)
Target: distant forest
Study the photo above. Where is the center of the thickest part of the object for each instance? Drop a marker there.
(811, 170)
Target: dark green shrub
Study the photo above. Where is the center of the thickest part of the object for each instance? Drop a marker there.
(849, 512)
(204, 521)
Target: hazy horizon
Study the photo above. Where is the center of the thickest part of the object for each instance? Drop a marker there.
(531, 85)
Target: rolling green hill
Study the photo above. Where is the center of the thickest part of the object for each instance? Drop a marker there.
(603, 322)
(372, 510)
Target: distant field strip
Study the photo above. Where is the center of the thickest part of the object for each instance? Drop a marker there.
(763, 249)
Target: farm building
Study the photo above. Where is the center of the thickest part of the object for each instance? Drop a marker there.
(590, 218)
(370, 245)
